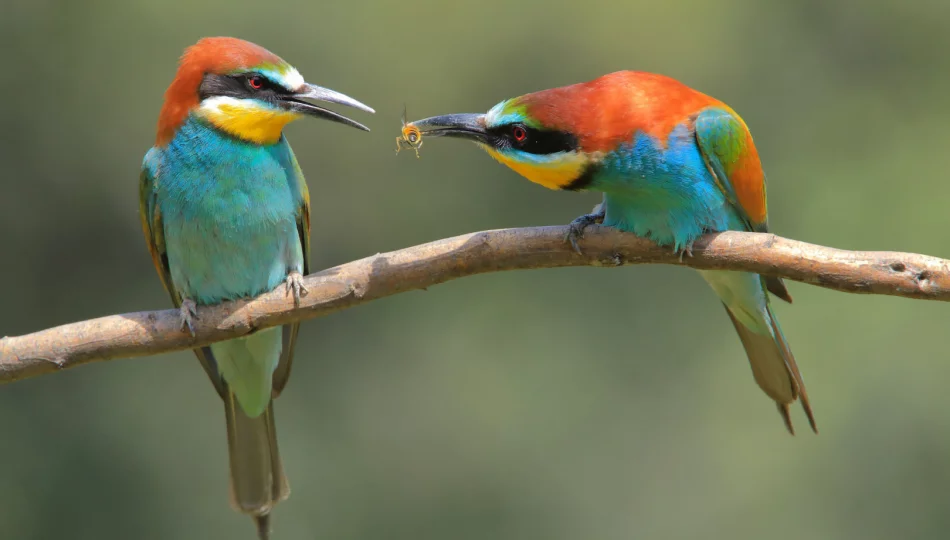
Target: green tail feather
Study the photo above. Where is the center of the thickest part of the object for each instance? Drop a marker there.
(257, 475)
(773, 366)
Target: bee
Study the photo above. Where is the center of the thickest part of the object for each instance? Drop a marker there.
(411, 136)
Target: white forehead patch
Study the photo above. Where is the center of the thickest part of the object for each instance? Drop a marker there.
(293, 79)
(496, 116)
(491, 117)
(288, 77)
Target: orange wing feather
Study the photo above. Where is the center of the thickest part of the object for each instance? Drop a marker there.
(730, 153)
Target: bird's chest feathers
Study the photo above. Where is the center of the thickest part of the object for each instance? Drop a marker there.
(230, 221)
(230, 203)
(662, 189)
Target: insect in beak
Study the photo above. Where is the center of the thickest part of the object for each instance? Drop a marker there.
(411, 136)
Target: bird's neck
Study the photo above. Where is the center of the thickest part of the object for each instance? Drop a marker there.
(258, 125)
(205, 157)
(553, 171)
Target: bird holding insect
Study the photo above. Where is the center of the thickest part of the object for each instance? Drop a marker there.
(672, 163)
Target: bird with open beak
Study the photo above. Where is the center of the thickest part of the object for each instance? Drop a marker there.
(226, 214)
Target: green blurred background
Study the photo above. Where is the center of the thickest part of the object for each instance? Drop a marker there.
(561, 404)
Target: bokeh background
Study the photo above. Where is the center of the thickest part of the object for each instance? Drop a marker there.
(559, 404)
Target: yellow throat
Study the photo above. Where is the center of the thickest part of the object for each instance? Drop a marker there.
(247, 120)
(554, 174)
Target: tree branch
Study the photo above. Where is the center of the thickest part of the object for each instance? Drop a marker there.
(419, 267)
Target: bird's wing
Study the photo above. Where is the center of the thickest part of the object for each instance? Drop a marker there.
(733, 160)
(299, 186)
(154, 230)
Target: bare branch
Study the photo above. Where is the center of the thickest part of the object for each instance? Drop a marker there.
(419, 267)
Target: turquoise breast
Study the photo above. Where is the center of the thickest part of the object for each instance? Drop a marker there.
(229, 210)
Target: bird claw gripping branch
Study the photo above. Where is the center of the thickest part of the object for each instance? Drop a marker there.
(188, 314)
(686, 250)
(575, 230)
(295, 286)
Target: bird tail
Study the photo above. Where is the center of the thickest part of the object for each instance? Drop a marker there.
(257, 475)
(773, 366)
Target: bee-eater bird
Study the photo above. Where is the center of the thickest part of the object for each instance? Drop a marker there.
(672, 164)
(226, 214)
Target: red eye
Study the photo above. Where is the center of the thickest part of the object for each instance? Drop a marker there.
(519, 133)
(256, 82)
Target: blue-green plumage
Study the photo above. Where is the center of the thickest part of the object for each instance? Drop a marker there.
(665, 191)
(662, 190)
(230, 210)
(228, 218)
(226, 215)
(673, 163)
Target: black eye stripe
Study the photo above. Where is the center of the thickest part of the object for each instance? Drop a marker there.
(537, 141)
(265, 83)
(237, 86)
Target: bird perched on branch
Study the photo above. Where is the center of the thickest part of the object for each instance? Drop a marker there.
(226, 214)
(673, 163)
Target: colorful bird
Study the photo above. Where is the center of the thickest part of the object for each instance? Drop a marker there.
(673, 163)
(226, 214)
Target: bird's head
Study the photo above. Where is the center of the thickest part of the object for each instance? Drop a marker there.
(559, 137)
(517, 133)
(244, 90)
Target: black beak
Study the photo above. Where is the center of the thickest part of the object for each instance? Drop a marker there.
(469, 126)
(295, 102)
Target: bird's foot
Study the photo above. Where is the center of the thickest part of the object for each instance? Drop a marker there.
(295, 286)
(685, 250)
(575, 231)
(188, 314)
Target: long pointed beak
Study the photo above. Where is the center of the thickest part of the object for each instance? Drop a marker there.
(469, 126)
(295, 102)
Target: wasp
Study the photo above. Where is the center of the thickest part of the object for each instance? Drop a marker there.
(411, 136)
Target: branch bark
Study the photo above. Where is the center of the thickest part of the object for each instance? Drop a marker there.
(419, 267)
